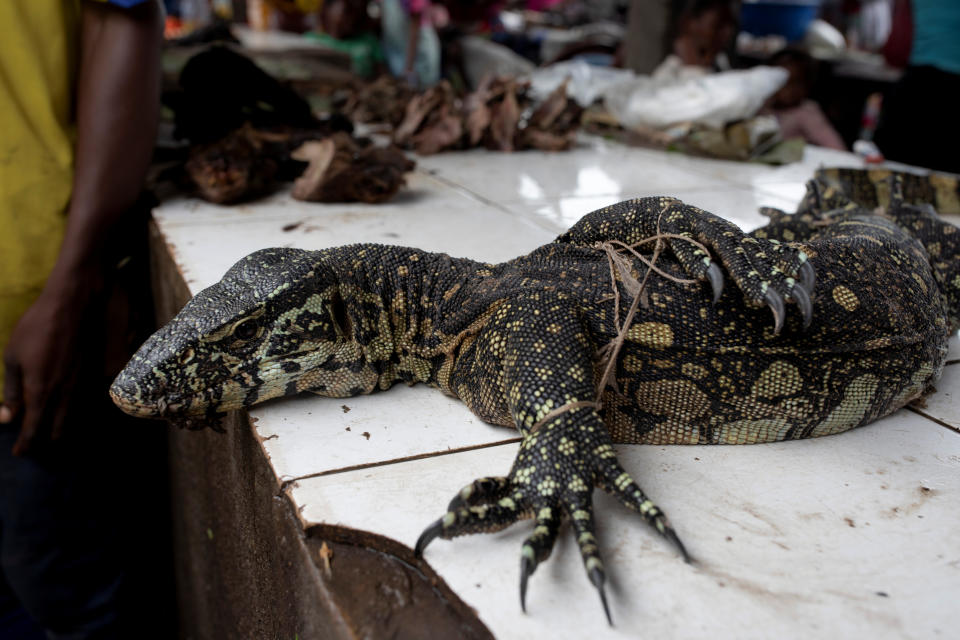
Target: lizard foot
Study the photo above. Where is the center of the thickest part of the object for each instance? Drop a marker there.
(552, 480)
(768, 272)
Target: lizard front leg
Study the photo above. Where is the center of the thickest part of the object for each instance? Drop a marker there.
(544, 355)
(767, 271)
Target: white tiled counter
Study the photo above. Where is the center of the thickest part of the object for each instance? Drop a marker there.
(847, 536)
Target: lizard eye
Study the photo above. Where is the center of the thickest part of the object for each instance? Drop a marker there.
(246, 329)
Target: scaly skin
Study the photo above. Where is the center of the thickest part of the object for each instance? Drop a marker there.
(518, 342)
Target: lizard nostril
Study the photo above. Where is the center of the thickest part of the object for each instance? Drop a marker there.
(186, 356)
(117, 390)
(124, 392)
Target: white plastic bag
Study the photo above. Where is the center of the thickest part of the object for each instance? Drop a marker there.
(587, 82)
(712, 100)
(674, 93)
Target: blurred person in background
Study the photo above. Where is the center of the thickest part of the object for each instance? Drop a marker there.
(918, 124)
(418, 35)
(797, 114)
(79, 101)
(343, 19)
(410, 42)
(697, 32)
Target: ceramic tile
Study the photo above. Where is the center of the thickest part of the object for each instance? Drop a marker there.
(602, 172)
(754, 174)
(312, 435)
(438, 220)
(790, 192)
(844, 536)
(944, 405)
(185, 210)
(737, 204)
(592, 170)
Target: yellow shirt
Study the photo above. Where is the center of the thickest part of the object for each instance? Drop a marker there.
(38, 60)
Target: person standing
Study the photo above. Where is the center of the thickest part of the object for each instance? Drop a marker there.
(411, 45)
(79, 103)
(918, 123)
(695, 31)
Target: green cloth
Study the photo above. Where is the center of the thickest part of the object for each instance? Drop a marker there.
(364, 50)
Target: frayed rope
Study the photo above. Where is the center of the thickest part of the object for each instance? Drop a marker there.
(621, 265)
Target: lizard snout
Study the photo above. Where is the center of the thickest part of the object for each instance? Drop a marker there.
(125, 393)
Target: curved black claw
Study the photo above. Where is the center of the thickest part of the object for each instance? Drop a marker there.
(429, 535)
(802, 298)
(671, 535)
(776, 304)
(597, 578)
(527, 567)
(808, 277)
(715, 275)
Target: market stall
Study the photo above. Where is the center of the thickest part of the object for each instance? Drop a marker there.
(300, 520)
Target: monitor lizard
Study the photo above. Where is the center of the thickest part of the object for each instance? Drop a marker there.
(619, 331)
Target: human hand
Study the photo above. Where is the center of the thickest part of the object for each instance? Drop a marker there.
(42, 359)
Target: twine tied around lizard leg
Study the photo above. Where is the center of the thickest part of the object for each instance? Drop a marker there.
(621, 265)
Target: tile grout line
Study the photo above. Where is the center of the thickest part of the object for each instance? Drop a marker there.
(383, 463)
(666, 191)
(726, 185)
(935, 420)
(535, 220)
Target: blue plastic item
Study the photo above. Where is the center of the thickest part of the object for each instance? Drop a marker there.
(789, 18)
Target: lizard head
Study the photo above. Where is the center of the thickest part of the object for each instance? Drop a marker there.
(276, 324)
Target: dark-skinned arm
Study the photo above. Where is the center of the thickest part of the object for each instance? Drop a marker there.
(117, 107)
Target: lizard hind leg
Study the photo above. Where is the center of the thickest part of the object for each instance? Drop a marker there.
(618, 483)
(489, 504)
(551, 481)
(480, 518)
(479, 491)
